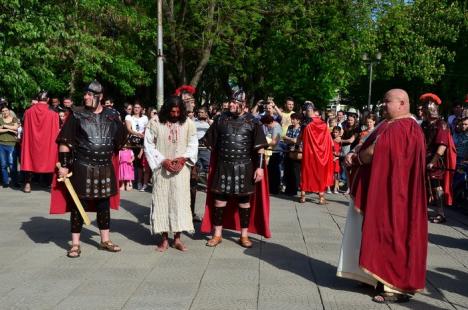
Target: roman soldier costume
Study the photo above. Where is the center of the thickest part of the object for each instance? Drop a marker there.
(235, 140)
(440, 166)
(93, 140)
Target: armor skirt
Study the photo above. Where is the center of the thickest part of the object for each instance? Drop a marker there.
(93, 181)
(233, 178)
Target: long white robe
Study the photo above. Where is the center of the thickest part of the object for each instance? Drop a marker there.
(348, 265)
(170, 209)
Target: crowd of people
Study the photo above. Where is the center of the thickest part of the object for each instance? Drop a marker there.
(241, 155)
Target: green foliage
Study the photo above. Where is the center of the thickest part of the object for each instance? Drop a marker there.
(306, 49)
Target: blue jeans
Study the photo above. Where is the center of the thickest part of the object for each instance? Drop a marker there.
(7, 161)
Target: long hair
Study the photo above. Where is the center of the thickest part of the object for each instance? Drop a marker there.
(171, 102)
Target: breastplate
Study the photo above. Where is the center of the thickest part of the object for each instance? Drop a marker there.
(95, 135)
(235, 140)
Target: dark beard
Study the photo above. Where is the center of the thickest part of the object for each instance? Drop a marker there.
(173, 119)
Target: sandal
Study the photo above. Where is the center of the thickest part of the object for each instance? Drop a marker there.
(302, 199)
(438, 219)
(322, 201)
(109, 246)
(390, 298)
(75, 251)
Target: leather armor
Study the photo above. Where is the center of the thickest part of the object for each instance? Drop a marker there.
(235, 140)
(93, 138)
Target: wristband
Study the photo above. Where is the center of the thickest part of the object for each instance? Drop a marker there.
(260, 160)
(65, 159)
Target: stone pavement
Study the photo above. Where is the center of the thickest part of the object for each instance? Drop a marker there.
(295, 269)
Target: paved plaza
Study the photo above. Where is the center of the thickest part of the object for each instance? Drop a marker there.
(295, 269)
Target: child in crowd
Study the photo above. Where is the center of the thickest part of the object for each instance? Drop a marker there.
(336, 136)
(126, 172)
(146, 171)
(332, 123)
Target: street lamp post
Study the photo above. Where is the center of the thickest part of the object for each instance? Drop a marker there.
(160, 55)
(370, 62)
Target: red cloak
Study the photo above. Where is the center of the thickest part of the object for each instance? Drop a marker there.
(60, 199)
(39, 152)
(390, 193)
(317, 157)
(259, 207)
(451, 165)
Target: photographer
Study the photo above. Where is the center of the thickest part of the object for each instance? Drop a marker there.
(267, 107)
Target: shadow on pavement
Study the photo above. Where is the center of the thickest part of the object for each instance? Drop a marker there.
(43, 230)
(450, 280)
(449, 242)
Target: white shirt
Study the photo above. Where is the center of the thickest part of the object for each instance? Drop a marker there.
(138, 123)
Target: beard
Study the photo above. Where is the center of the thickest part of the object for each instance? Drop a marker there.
(173, 119)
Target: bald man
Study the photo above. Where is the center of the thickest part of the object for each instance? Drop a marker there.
(390, 200)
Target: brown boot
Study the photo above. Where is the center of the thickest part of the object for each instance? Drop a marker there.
(214, 241)
(245, 242)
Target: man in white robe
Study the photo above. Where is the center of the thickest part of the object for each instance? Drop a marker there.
(171, 148)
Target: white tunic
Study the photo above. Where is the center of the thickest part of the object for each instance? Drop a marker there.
(170, 210)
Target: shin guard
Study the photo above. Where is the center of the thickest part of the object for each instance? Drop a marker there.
(218, 216)
(244, 217)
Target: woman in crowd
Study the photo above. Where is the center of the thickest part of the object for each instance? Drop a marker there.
(292, 162)
(136, 124)
(8, 132)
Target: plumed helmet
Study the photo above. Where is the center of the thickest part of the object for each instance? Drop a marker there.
(430, 97)
(185, 89)
(95, 87)
(238, 95)
(43, 95)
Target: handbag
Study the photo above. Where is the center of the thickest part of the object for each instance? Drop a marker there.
(135, 140)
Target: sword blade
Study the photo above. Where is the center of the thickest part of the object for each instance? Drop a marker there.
(77, 201)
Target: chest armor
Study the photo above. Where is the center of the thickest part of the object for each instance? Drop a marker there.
(95, 137)
(236, 138)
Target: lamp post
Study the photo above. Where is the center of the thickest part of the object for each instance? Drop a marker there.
(160, 55)
(370, 62)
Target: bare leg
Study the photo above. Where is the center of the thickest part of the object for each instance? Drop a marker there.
(178, 244)
(164, 245)
(322, 200)
(74, 251)
(105, 237)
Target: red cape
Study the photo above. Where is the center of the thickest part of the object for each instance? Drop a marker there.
(451, 156)
(390, 193)
(39, 152)
(59, 197)
(259, 204)
(317, 157)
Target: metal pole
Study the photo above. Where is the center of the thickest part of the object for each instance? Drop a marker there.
(160, 67)
(370, 87)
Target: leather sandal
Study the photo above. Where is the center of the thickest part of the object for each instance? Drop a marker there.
(109, 246)
(322, 201)
(214, 241)
(74, 251)
(245, 242)
(390, 298)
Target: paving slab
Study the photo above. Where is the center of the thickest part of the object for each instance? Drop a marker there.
(295, 269)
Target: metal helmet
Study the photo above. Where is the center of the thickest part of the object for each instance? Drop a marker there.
(43, 95)
(239, 95)
(95, 87)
